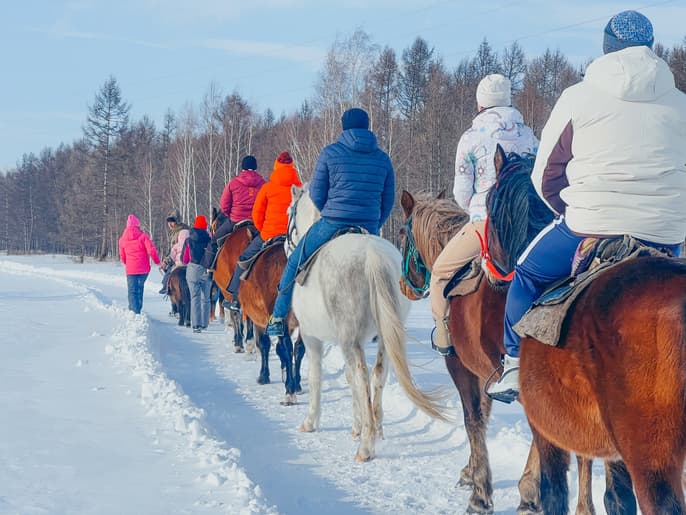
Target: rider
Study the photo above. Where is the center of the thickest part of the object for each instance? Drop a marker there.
(612, 161)
(236, 203)
(497, 122)
(353, 185)
(269, 214)
(174, 225)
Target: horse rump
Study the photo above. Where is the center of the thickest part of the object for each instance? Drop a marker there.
(180, 295)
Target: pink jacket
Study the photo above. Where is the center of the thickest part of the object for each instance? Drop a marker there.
(136, 249)
(239, 195)
(176, 249)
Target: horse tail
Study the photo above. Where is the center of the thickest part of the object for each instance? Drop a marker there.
(384, 294)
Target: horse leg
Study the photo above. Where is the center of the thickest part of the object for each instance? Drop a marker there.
(379, 377)
(476, 408)
(584, 505)
(659, 492)
(250, 339)
(554, 466)
(357, 421)
(299, 354)
(287, 364)
(619, 494)
(354, 357)
(314, 351)
(530, 485)
(237, 323)
(264, 345)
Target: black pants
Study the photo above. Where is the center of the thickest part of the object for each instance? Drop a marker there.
(253, 248)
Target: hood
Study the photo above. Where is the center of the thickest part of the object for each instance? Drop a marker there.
(183, 234)
(500, 116)
(359, 140)
(285, 174)
(250, 178)
(634, 74)
(132, 233)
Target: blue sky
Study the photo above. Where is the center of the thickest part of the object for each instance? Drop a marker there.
(164, 53)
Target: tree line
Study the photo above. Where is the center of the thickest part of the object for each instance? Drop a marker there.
(75, 198)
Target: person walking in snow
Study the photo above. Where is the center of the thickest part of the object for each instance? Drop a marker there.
(197, 276)
(136, 249)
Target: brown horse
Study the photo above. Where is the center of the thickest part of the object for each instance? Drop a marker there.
(615, 386)
(476, 328)
(180, 295)
(257, 295)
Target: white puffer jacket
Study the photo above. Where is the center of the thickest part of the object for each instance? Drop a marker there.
(474, 167)
(613, 153)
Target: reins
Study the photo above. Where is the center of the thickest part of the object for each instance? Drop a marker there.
(411, 256)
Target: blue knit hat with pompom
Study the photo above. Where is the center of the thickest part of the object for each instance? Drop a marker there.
(626, 29)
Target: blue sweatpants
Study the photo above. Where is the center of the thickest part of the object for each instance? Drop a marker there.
(321, 232)
(547, 259)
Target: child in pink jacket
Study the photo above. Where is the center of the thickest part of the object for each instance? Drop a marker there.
(135, 250)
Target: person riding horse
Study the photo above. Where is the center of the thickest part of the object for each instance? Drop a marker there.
(353, 186)
(611, 162)
(269, 213)
(497, 122)
(174, 225)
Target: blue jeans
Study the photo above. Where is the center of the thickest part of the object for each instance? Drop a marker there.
(545, 261)
(320, 233)
(135, 284)
(199, 284)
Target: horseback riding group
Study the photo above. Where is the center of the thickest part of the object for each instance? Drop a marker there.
(565, 248)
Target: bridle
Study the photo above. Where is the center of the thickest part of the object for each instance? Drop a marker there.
(291, 228)
(487, 260)
(411, 256)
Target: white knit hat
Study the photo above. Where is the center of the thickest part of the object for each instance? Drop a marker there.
(494, 90)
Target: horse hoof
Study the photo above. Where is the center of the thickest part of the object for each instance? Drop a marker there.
(238, 349)
(263, 380)
(306, 428)
(528, 510)
(298, 390)
(480, 507)
(363, 459)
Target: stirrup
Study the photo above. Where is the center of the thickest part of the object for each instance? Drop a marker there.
(235, 306)
(443, 351)
(508, 396)
(275, 327)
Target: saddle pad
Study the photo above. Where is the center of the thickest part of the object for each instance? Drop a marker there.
(545, 318)
(304, 268)
(249, 263)
(465, 281)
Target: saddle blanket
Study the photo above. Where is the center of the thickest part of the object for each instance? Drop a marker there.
(268, 245)
(465, 281)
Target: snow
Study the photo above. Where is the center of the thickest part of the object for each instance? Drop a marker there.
(109, 412)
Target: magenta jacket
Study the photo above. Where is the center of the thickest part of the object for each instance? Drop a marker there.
(135, 250)
(239, 195)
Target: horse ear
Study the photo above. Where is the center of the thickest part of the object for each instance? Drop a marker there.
(214, 213)
(441, 195)
(407, 202)
(499, 160)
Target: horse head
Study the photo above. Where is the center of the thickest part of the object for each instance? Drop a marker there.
(302, 214)
(516, 214)
(429, 224)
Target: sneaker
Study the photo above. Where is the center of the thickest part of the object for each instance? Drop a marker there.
(235, 306)
(163, 290)
(506, 389)
(275, 327)
(197, 329)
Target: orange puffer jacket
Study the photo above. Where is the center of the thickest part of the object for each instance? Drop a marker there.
(271, 205)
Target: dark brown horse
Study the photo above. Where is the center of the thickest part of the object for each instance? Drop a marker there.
(180, 295)
(476, 328)
(615, 386)
(257, 295)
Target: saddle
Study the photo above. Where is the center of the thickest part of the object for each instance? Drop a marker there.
(465, 281)
(304, 268)
(593, 258)
(211, 254)
(248, 264)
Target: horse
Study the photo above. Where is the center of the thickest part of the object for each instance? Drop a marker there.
(615, 386)
(234, 245)
(476, 329)
(216, 297)
(257, 295)
(180, 295)
(351, 295)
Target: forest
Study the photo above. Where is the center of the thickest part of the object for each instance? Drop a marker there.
(74, 199)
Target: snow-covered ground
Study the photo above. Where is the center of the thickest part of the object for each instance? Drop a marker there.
(107, 412)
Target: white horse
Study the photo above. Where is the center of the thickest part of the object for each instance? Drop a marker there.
(352, 294)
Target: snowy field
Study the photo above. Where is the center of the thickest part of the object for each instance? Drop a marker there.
(105, 412)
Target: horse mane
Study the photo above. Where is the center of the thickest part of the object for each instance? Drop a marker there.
(434, 222)
(515, 211)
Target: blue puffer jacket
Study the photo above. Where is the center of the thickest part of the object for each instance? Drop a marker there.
(354, 180)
